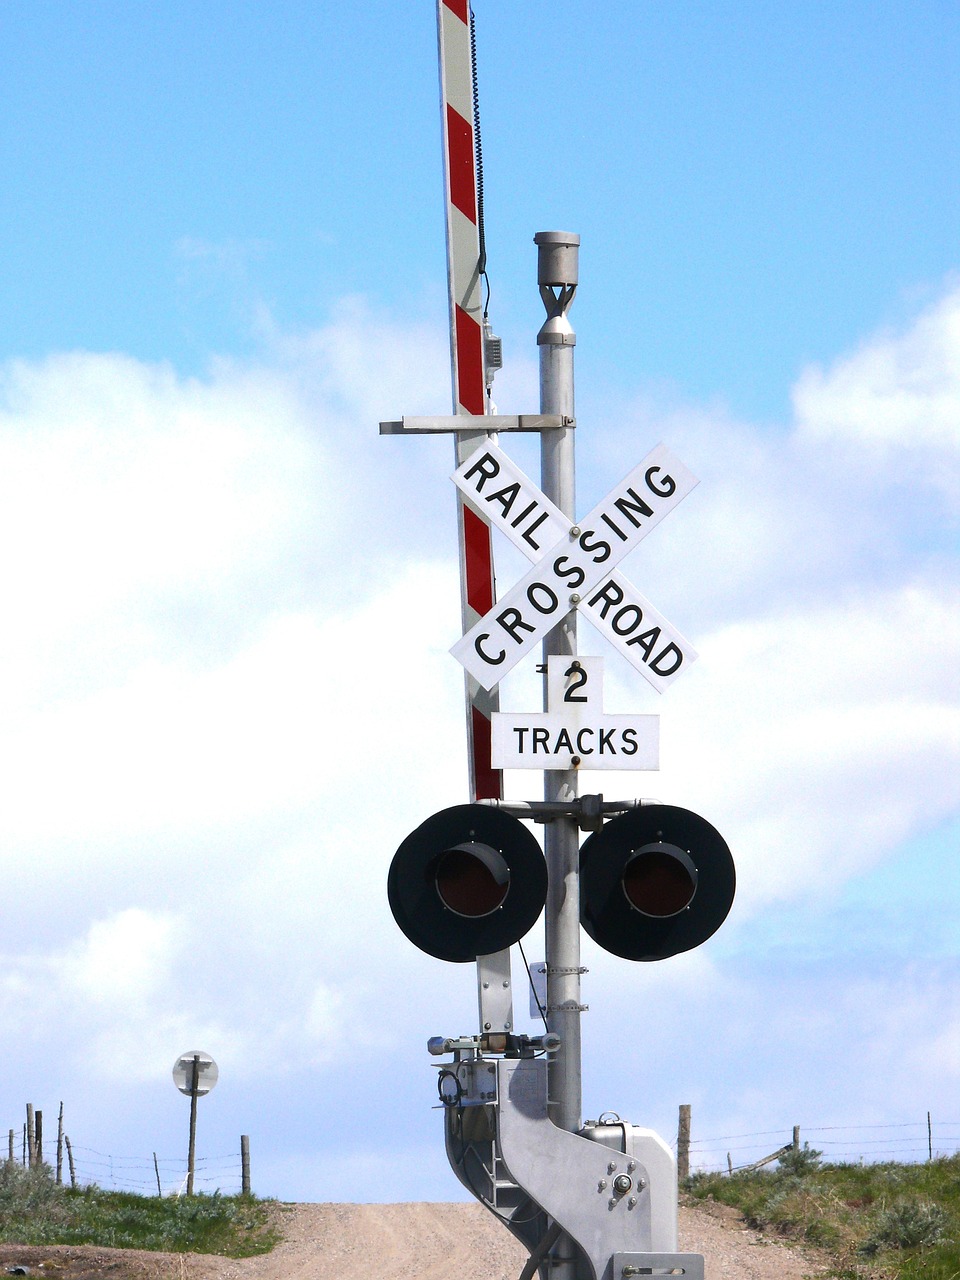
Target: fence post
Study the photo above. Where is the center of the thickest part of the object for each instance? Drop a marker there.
(156, 1169)
(38, 1144)
(10, 1156)
(244, 1164)
(683, 1143)
(73, 1172)
(31, 1138)
(796, 1137)
(929, 1138)
(60, 1146)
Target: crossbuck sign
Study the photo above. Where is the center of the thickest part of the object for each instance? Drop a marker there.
(574, 566)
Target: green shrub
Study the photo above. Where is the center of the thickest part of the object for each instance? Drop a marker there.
(34, 1209)
(28, 1196)
(800, 1160)
(875, 1220)
(907, 1225)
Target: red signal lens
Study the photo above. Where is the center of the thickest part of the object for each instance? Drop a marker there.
(472, 879)
(660, 880)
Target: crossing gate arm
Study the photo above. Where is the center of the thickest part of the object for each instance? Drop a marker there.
(467, 357)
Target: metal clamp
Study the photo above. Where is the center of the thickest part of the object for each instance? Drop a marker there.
(511, 1046)
(589, 811)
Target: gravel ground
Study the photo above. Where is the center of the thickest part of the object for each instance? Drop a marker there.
(404, 1242)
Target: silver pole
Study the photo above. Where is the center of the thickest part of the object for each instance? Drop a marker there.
(557, 268)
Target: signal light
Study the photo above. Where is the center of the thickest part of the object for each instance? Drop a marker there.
(470, 881)
(655, 881)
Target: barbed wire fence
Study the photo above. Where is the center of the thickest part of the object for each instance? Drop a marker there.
(908, 1142)
(228, 1174)
(160, 1175)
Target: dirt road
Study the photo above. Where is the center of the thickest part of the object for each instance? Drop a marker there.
(402, 1242)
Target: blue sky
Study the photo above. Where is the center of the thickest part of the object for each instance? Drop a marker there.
(225, 683)
(755, 188)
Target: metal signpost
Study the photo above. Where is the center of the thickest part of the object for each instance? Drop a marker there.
(594, 1200)
(194, 1073)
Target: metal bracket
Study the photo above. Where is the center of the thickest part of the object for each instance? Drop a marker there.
(494, 991)
(588, 811)
(487, 423)
(626, 1265)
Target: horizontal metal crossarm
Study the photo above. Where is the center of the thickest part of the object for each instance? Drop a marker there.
(484, 423)
(588, 811)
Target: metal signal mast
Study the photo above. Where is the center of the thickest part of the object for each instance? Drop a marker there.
(594, 1200)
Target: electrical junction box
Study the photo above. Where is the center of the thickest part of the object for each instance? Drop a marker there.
(643, 1150)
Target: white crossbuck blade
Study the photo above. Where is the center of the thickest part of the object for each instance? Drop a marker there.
(573, 566)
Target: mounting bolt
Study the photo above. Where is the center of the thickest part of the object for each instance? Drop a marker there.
(602, 1184)
(575, 531)
(632, 1202)
(575, 598)
(611, 1167)
(622, 1184)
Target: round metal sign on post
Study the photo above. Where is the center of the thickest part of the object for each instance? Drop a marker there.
(207, 1072)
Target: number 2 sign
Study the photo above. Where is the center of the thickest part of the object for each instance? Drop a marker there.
(573, 732)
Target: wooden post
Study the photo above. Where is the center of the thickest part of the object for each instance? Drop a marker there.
(73, 1172)
(60, 1147)
(24, 1157)
(929, 1138)
(38, 1144)
(244, 1164)
(729, 1164)
(10, 1156)
(796, 1137)
(31, 1138)
(192, 1149)
(683, 1143)
(156, 1169)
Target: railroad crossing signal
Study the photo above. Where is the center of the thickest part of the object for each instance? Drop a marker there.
(471, 881)
(654, 882)
(574, 566)
(468, 882)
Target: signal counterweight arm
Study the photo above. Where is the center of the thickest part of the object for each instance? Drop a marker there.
(467, 358)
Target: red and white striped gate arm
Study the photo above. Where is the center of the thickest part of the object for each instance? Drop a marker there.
(477, 590)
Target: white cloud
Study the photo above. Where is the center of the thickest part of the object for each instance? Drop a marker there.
(226, 695)
(123, 960)
(823, 737)
(900, 392)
